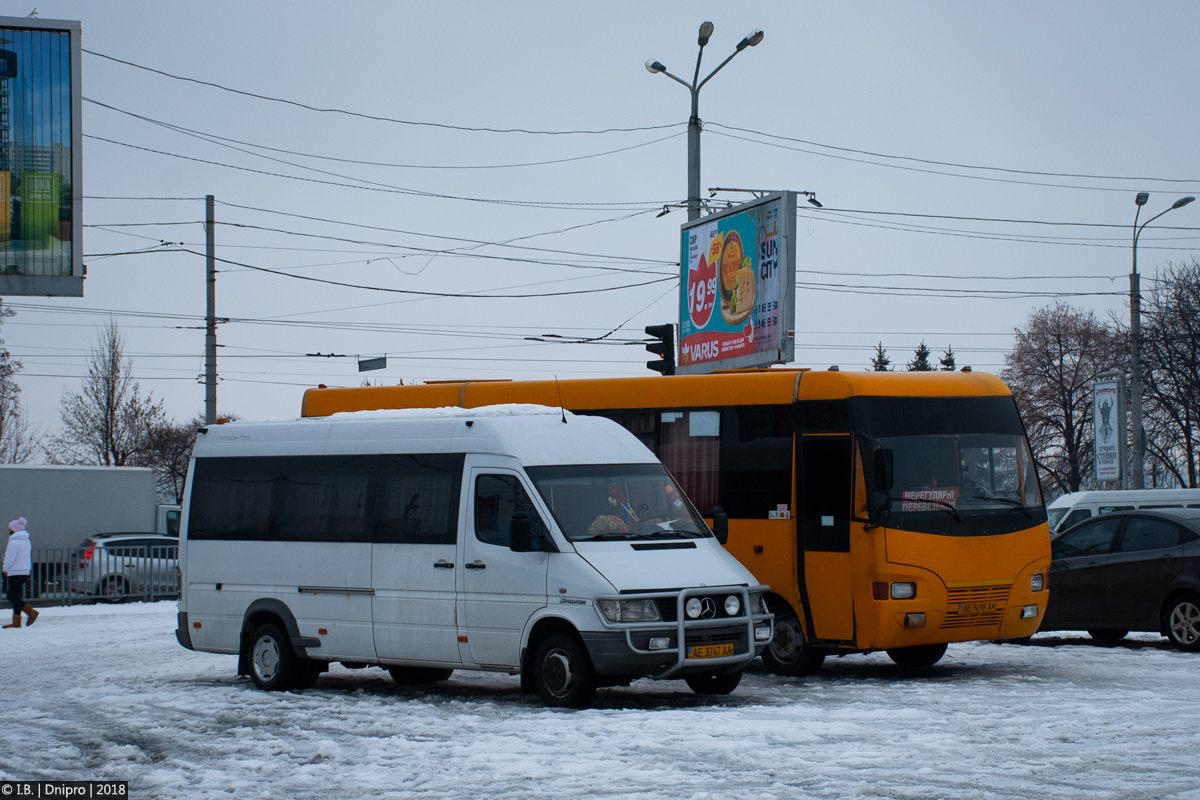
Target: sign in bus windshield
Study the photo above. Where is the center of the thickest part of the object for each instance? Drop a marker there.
(737, 287)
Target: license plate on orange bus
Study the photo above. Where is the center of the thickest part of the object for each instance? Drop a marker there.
(977, 608)
(710, 650)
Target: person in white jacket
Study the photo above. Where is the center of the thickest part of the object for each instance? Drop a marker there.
(18, 562)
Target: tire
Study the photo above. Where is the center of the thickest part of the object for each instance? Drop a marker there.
(562, 672)
(1107, 634)
(788, 652)
(274, 666)
(1181, 621)
(714, 682)
(114, 590)
(925, 655)
(418, 676)
(309, 673)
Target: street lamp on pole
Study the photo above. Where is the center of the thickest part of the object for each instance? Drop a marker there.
(706, 31)
(1138, 476)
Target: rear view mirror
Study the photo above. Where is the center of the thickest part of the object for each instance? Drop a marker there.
(720, 524)
(879, 501)
(520, 538)
(883, 470)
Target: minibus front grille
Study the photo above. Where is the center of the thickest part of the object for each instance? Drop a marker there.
(970, 606)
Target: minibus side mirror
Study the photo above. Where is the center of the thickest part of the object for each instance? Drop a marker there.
(720, 524)
(883, 470)
(879, 504)
(520, 538)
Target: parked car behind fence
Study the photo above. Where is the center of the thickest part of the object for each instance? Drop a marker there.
(109, 567)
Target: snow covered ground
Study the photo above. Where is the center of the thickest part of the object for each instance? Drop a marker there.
(105, 693)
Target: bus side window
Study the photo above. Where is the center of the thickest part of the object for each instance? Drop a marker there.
(1110, 509)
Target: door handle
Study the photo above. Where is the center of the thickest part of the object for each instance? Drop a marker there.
(1092, 565)
(443, 564)
(476, 565)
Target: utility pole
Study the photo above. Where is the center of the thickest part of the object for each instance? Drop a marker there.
(210, 319)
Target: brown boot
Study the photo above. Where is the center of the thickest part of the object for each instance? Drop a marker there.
(16, 623)
(32, 613)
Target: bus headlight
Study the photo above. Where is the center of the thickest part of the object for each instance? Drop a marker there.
(904, 591)
(1029, 612)
(629, 610)
(1037, 582)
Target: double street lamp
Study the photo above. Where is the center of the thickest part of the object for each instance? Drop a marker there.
(1135, 343)
(706, 31)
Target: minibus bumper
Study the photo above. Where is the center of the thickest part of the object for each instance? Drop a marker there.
(713, 642)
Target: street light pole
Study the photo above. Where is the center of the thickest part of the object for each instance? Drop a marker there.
(1138, 476)
(706, 31)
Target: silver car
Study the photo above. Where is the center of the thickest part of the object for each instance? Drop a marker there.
(126, 566)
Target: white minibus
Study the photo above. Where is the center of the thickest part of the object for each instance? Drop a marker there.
(1073, 508)
(519, 539)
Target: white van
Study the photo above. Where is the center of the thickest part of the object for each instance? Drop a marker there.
(518, 539)
(1073, 508)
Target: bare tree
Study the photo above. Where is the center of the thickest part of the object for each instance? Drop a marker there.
(1056, 358)
(107, 422)
(1171, 364)
(17, 442)
(168, 448)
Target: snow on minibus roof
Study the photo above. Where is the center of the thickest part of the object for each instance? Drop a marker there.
(504, 410)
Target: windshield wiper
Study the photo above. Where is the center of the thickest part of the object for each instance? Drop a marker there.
(943, 504)
(1010, 501)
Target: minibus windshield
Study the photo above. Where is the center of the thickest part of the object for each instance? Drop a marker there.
(595, 502)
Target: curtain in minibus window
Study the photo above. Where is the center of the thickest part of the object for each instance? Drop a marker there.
(324, 498)
(691, 449)
(417, 498)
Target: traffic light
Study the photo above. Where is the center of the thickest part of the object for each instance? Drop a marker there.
(663, 346)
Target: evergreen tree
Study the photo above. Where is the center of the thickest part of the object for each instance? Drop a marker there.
(920, 362)
(947, 360)
(880, 363)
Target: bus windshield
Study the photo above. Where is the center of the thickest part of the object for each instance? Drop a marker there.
(595, 502)
(961, 465)
(962, 472)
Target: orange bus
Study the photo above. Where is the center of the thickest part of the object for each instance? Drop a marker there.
(887, 511)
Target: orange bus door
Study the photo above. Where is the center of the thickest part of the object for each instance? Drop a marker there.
(824, 492)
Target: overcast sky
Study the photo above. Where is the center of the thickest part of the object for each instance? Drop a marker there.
(939, 118)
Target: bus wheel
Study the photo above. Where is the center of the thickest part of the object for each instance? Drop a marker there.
(420, 676)
(925, 655)
(274, 666)
(1108, 634)
(562, 672)
(788, 652)
(713, 682)
(1182, 620)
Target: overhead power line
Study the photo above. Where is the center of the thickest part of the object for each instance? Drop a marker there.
(374, 117)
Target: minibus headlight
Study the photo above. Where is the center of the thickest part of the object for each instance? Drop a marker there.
(629, 610)
(904, 591)
(732, 605)
(1037, 582)
(693, 608)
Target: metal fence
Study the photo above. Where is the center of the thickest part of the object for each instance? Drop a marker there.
(74, 575)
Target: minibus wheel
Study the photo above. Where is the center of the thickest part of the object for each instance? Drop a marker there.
(562, 673)
(273, 664)
(713, 682)
(788, 652)
(925, 655)
(419, 676)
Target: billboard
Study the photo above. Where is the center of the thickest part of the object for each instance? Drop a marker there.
(1108, 416)
(41, 193)
(737, 287)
